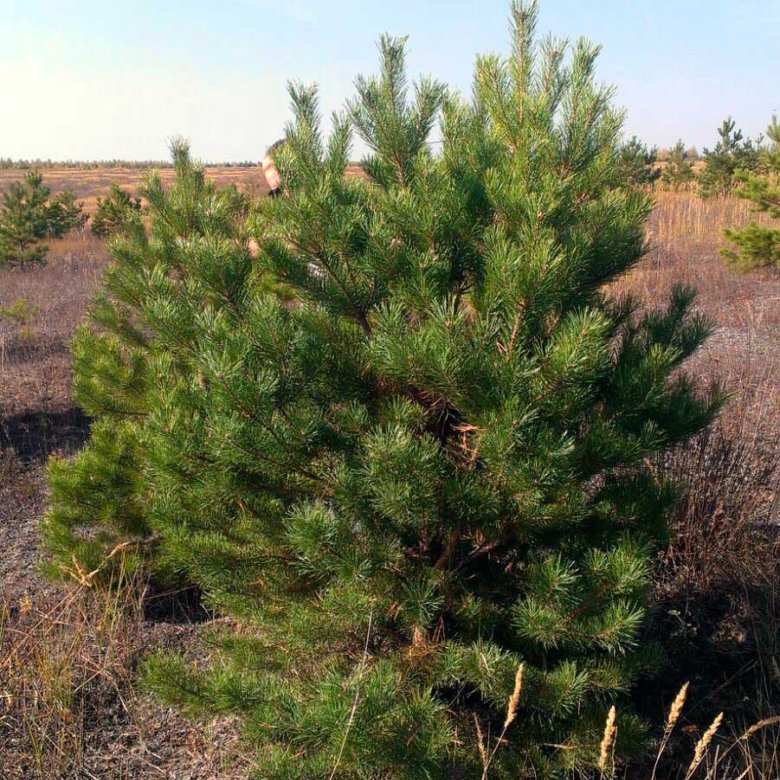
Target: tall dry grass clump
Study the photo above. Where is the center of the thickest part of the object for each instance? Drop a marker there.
(683, 215)
(718, 579)
(724, 530)
(57, 665)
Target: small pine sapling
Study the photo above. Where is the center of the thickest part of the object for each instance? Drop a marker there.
(731, 154)
(29, 216)
(678, 172)
(637, 163)
(23, 223)
(113, 211)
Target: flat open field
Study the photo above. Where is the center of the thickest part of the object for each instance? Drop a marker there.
(102, 728)
(88, 184)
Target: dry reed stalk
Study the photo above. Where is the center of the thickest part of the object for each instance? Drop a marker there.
(356, 700)
(671, 721)
(511, 713)
(762, 724)
(676, 708)
(514, 699)
(481, 745)
(702, 745)
(606, 753)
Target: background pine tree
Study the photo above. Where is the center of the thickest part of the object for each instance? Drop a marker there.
(678, 172)
(732, 153)
(100, 496)
(23, 222)
(758, 245)
(424, 472)
(637, 163)
(28, 216)
(113, 211)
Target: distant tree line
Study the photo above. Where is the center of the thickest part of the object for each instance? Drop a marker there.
(736, 165)
(7, 163)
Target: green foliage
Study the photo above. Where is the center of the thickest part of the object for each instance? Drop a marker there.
(678, 173)
(759, 245)
(29, 215)
(63, 214)
(637, 163)
(23, 222)
(19, 311)
(429, 466)
(731, 154)
(99, 498)
(113, 211)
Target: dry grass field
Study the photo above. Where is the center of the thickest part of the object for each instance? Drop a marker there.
(68, 707)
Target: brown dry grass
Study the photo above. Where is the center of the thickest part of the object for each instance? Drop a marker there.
(717, 610)
(69, 656)
(68, 705)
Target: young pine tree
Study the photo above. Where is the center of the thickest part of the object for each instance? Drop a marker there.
(420, 486)
(100, 500)
(731, 154)
(29, 216)
(113, 211)
(678, 172)
(637, 163)
(23, 223)
(759, 245)
(64, 214)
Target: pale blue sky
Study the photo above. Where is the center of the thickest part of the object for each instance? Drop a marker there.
(86, 80)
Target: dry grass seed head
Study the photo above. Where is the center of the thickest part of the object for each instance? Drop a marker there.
(608, 740)
(514, 699)
(703, 744)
